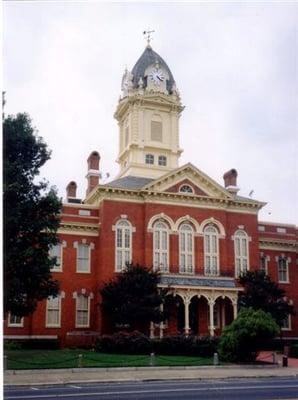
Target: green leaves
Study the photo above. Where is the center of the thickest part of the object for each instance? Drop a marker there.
(31, 218)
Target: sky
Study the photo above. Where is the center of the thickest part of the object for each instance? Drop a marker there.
(235, 64)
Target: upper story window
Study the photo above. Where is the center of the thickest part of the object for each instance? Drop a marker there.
(283, 270)
(241, 252)
(264, 264)
(160, 246)
(15, 321)
(186, 189)
(82, 311)
(156, 128)
(186, 248)
(53, 314)
(83, 258)
(149, 159)
(286, 324)
(211, 251)
(162, 160)
(281, 230)
(56, 251)
(123, 244)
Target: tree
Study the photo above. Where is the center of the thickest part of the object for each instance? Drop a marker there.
(260, 292)
(133, 299)
(246, 335)
(31, 218)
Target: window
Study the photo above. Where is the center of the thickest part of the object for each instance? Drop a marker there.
(261, 228)
(186, 189)
(162, 160)
(15, 321)
(82, 311)
(156, 129)
(186, 246)
(123, 244)
(241, 252)
(149, 159)
(83, 258)
(160, 246)
(281, 230)
(283, 273)
(286, 324)
(56, 251)
(211, 253)
(53, 312)
(263, 264)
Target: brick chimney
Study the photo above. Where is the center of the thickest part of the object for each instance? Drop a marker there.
(93, 174)
(230, 179)
(71, 191)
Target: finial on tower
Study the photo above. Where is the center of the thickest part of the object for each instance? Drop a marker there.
(148, 36)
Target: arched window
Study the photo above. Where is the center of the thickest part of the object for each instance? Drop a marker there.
(186, 248)
(241, 252)
(123, 244)
(160, 246)
(186, 189)
(211, 252)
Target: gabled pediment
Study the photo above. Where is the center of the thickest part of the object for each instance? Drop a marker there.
(188, 174)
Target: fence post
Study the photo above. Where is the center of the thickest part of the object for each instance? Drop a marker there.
(4, 362)
(274, 358)
(284, 361)
(215, 359)
(80, 359)
(152, 360)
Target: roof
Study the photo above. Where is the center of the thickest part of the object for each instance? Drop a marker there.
(129, 182)
(148, 58)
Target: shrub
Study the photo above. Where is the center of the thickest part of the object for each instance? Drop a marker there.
(246, 335)
(294, 351)
(203, 346)
(124, 343)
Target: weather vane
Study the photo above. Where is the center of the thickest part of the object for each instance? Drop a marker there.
(148, 36)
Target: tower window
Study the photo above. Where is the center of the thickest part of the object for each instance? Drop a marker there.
(149, 159)
(162, 160)
(156, 131)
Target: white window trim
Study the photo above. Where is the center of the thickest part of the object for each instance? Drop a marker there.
(91, 247)
(15, 325)
(288, 260)
(186, 253)
(166, 268)
(88, 319)
(267, 259)
(248, 239)
(58, 325)
(131, 230)
(211, 254)
(59, 268)
(289, 328)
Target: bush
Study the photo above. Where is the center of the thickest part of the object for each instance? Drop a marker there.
(32, 344)
(246, 335)
(124, 343)
(203, 346)
(294, 351)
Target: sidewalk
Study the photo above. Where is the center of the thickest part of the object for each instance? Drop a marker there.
(89, 375)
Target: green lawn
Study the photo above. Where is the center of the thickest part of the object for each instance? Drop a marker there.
(40, 359)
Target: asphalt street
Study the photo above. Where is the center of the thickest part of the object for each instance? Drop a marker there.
(215, 389)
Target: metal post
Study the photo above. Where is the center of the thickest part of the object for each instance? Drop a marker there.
(80, 361)
(284, 361)
(152, 360)
(274, 359)
(215, 359)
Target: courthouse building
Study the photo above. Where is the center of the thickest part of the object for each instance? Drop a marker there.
(200, 234)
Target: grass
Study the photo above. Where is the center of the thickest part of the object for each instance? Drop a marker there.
(44, 359)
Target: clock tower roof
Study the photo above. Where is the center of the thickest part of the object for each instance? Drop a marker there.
(150, 57)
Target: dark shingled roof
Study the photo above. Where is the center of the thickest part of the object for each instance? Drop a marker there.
(129, 182)
(149, 57)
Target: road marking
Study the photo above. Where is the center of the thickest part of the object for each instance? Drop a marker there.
(34, 388)
(44, 396)
(75, 387)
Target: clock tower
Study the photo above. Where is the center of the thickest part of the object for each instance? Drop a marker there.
(148, 116)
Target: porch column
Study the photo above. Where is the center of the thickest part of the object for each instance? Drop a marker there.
(223, 315)
(211, 303)
(151, 330)
(186, 315)
(235, 308)
(161, 325)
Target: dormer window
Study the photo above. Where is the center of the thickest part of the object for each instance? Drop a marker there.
(186, 189)
(162, 160)
(149, 159)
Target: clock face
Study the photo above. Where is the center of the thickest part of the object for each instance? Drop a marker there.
(157, 76)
